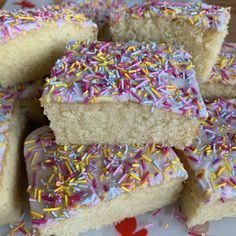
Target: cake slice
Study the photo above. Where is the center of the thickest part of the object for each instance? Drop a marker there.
(44, 33)
(210, 192)
(12, 185)
(104, 92)
(222, 81)
(201, 28)
(91, 186)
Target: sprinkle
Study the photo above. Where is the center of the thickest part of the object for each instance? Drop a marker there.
(156, 212)
(36, 214)
(52, 209)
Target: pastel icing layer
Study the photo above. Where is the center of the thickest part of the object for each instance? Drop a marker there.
(213, 155)
(16, 22)
(159, 76)
(196, 14)
(225, 67)
(66, 178)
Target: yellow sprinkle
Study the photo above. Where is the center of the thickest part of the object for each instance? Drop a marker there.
(220, 171)
(59, 99)
(89, 175)
(173, 166)
(30, 141)
(156, 93)
(68, 167)
(132, 71)
(145, 71)
(80, 148)
(35, 193)
(125, 189)
(134, 16)
(51, 90)
(36, 214)
(171, 87)
(199, 105)
(52, 209)
(127, 76)
(220, 185)
(135, 165)
(146, 158)
(24, 17)
(191, 21)
(19, 226)
(227, 163)
(66, 200)
(213, 176)
(39, 195)
(189, 66)
(33, 158)
(135, 177)
(61, 85)
(131, 48)
(51, 177)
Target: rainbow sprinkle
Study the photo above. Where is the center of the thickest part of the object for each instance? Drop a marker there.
(155, 75)
(225, 67)
(213, 154)
(19, 21)
(65, 178)
(197, 14)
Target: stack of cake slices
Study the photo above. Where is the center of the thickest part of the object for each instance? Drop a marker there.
(129, 128)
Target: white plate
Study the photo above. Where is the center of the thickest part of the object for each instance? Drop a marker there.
(166, 222)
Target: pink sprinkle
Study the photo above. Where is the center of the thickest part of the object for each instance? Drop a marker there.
(156, 212)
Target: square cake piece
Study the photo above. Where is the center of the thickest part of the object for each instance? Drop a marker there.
(44, 34)
(103, 92)
(201, 28)
(12, 184)
(222, 81)
(91, 186)
(210, 192)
